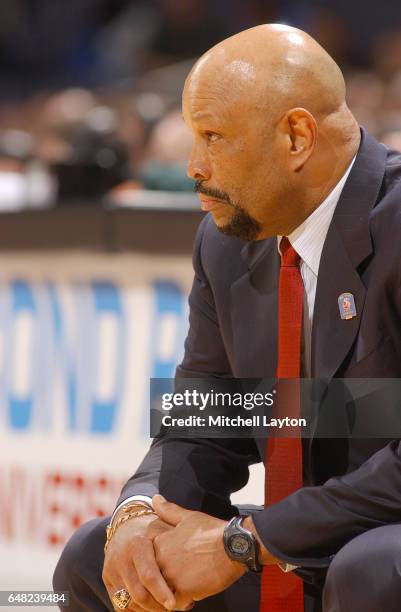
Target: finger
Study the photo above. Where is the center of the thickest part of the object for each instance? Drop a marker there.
(134, 605)
(184, 607)
(149, 575)
(141, 599)
(127, 576)
(112, 589)
(183, 602)
(169, 512)
(110, 574)
(113, 583)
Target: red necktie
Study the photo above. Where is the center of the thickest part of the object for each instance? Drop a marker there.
(283, 592)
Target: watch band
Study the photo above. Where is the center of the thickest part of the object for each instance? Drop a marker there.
(251, 557)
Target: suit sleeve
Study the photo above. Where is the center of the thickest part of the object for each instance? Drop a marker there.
(198, 474)
(308, 527)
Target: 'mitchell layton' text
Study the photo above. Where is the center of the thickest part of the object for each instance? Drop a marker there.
(236, 421)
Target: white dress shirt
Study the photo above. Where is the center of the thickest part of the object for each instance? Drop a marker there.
(308, 240)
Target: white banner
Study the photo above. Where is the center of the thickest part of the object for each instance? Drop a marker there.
(80, 336)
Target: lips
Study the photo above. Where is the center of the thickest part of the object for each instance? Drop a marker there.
(208, 204)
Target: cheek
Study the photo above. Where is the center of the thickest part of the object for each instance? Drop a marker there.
(242, 173)
(256, 182)
(261, 193)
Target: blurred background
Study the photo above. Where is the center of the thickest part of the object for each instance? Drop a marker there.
(97, 219)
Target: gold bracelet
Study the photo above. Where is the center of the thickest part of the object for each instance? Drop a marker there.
(124, 514)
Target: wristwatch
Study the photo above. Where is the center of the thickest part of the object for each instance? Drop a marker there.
(241, 545)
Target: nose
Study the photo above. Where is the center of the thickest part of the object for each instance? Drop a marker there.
(198, 167)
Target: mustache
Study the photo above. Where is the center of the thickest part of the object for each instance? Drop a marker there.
(213, 193)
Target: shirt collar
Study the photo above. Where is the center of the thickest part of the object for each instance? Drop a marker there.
(308, 238)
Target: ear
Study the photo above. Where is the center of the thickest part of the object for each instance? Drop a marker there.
(301, 131)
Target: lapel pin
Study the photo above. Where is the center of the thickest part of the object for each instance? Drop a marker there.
(346, 304)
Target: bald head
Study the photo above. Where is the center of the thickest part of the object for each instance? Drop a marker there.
(272, 130)
(276, 66)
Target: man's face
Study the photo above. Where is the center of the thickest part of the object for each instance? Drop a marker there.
(235, 159)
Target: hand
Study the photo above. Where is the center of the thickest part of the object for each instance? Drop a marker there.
(130, 563)
(192, 556)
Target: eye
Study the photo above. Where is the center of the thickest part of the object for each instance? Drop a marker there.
(211, 136)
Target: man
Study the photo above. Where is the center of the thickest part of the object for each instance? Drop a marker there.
(276, 152)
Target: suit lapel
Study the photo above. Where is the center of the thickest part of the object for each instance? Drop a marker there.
(254, 311)
(332, 337)
(347, 245)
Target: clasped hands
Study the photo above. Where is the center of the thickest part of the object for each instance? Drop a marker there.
(171, 560)
(191, 556)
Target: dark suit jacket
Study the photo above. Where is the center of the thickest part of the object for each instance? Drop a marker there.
(352, 485)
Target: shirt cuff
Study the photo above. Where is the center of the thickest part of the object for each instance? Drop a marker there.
(287, 567)
(140, 498)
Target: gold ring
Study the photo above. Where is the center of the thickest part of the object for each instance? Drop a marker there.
(121, 599)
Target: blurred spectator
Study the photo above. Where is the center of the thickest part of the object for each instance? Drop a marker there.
(365, 96)
(24, 180)
(60, 116)
(166, 156)
(78, 139)
(387, 53)
(392, 139)
(95, 159)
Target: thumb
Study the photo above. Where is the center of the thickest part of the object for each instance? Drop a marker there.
(168, 512)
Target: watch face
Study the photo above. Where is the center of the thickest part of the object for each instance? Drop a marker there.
(239, 545)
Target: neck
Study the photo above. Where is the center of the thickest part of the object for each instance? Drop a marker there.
(332, 169)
